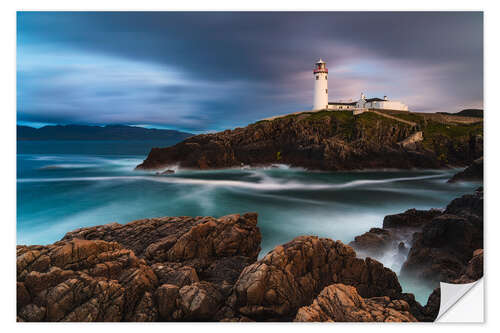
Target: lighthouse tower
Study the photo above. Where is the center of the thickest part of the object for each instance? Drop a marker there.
(320, 85)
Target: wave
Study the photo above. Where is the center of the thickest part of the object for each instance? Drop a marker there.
(268, 185)
(67, 166)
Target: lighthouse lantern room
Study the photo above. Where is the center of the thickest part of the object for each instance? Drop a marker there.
(320, 85)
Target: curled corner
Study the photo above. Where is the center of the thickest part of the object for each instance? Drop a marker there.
(451, 294)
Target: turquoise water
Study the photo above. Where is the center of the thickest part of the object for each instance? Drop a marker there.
(68, 185)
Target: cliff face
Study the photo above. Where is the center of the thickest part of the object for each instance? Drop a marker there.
(326, 141)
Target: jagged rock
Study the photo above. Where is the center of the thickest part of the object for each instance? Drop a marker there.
(206, 245)
(469, 206)
(200, 301)
(177, 239)
(376, 240)
(473, 172)
(292, 274)
(443, 248)
(166, 296)
(474, 269)
(81, 280)
(342, 303)
(175, 274)
(412, 218)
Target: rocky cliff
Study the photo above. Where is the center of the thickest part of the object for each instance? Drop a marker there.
(329, 141)
(200, 269)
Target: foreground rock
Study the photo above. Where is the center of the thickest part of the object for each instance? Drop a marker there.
(328, 141)
(190, 269)
(473, 172)
(339, 302)
(82, 280)
(443, 248)
(291, 276)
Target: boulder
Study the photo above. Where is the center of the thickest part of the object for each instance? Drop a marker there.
(412, 218)
(473, 172)
(177, 239)
(342, 303)
(82, 280)
(376, 241)
(291, 275)
(443, 248)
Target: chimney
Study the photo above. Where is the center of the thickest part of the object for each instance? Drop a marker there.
(385, 98)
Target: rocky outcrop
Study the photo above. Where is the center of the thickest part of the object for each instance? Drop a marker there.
(446, 244)
(326, 141)
(394, 234)
(473, 172)
(375, 241)
(82, 280)
(292, 274)
(206, 269)
(412, 218)
(474, 269)
(181, 239)
(342, 303)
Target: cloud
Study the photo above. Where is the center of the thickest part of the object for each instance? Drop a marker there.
(210, 71)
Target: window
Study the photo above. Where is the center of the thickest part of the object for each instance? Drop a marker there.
(326, 91)
(326, 77)
(317, 77)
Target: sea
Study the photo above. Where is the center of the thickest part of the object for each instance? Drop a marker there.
(65, 185)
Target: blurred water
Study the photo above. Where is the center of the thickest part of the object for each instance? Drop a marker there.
(59, 192)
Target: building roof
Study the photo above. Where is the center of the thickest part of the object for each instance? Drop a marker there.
(320, 61)
(341, 103)
(376, 99)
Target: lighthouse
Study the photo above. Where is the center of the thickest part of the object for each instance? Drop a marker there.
(320, 85)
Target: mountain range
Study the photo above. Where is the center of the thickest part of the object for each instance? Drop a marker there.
(108, 132)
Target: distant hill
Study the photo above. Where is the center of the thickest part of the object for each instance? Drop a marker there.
(108, 132)
(478, 113)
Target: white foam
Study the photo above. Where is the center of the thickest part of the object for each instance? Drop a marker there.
(268, 184)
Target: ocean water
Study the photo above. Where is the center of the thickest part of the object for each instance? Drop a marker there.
(62, 186)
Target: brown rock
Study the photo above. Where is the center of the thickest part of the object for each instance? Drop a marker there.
(175, 274)
(200, 301)
(376, 240)
(82, 280)
(178, 239)
(291, 275)
(342, 303)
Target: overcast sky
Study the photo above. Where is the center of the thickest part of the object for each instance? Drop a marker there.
(210, 71)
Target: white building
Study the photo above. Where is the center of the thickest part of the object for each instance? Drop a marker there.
(321, 96)
(320, 86)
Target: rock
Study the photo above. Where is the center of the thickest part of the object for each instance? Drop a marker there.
(323, 141)
(376, 241)
(82, 280)
(200, 301)
(443, 248)
(412, 218)
(469, 206)
(166, 296)
(473, 172)
(175, 274)
(474, 269)
(178, 239)
(342, 303)
(292, 274)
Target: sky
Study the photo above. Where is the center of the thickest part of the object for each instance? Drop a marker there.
(209, 71)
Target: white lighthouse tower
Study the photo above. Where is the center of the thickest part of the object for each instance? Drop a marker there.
(320, 85)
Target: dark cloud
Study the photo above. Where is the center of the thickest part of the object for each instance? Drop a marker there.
(205, 71)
